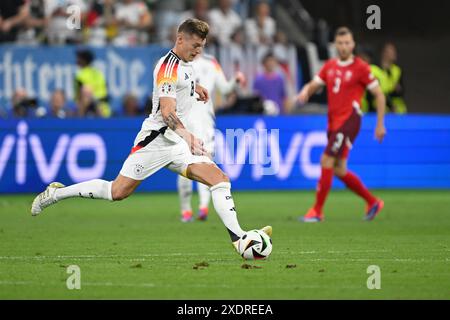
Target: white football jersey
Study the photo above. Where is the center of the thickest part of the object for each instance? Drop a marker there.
(172, 78)
(209, 74)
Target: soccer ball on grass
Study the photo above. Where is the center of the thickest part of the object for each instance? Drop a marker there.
(254, 245)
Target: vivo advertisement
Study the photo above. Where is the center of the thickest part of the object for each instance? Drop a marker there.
(257, 153)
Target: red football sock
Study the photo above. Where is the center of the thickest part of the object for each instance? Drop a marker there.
(354, 183)
(323, 187)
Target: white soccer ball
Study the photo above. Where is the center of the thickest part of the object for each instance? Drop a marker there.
(255, 244)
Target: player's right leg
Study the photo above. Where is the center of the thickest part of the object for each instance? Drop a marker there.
(220, 186)
(115, 190)
(315, 213)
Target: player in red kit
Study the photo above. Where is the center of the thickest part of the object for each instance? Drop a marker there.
(346, 78)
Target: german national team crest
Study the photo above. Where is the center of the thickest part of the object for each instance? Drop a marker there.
(138, 170)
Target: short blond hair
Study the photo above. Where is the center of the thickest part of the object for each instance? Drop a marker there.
(194, 26)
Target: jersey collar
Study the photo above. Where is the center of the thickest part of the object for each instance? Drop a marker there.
(175, 54)
(345, 63)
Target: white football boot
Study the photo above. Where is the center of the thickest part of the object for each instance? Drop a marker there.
(267, 230)
(45, 198)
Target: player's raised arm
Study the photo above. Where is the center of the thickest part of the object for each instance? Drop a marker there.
(169, 115)
(380, 103)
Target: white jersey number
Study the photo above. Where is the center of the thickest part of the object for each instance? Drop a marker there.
(337, 85)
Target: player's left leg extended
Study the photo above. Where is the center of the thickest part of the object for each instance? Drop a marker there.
(115, 190)
(354, 183)
(141, 163)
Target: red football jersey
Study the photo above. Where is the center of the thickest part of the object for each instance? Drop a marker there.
(346, 82)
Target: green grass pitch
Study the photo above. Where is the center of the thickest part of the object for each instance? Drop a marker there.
(138, 249)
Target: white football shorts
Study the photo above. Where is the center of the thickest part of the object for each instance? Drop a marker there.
(161, 152)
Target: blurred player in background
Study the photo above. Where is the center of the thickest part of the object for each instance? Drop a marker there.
(201, 123)
(346, 79)
(163, 141)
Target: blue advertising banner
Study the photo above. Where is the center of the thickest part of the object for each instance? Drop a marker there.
(258, 153)
(40, 70)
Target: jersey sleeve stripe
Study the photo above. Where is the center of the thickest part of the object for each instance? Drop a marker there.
(168, 66)
(319, 80)
(165, 65)
(373, 84)
(168, 70)
(172, 65)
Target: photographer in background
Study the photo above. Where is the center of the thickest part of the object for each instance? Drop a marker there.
(24, 106)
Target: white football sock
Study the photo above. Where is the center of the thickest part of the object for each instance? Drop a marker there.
(185, 193)
(94, 189)
(224, 205)
(204, 195)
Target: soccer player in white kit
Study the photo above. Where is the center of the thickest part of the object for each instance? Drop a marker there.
(201, 123)
(163, 141)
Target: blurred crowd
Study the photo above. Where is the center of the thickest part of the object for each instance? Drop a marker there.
(140, 22)
(132, 22)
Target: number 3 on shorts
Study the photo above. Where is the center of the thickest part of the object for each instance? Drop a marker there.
(338, 142)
